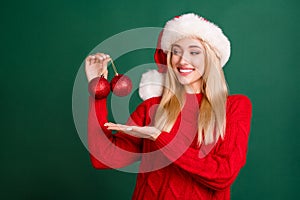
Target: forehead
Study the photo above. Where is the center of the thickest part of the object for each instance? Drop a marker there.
(188, 43)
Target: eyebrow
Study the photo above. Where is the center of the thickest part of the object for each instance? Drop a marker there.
(195, 46)
(191, 46)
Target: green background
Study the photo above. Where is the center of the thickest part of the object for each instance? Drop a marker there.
(43, 44)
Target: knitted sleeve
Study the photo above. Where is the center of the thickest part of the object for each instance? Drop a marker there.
(219, 168)
(108, 150)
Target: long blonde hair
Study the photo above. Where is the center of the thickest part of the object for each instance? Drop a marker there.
(212, 113)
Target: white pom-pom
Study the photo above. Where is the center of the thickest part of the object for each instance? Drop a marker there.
(151, 84)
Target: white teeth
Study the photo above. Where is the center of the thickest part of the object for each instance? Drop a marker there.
(185, 70)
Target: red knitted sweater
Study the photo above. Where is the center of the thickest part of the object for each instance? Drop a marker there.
(173, 166)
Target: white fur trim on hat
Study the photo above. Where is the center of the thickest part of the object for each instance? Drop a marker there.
(189, 25)
(151, 84)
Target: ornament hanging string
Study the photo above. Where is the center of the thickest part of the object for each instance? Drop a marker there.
(114, 67)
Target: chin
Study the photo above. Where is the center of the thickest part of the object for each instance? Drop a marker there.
(183, 81)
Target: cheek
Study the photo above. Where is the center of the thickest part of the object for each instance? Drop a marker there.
(174, 60)
(200, 68)
(199, 64)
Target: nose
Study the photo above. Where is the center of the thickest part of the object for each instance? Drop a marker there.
(184, 59)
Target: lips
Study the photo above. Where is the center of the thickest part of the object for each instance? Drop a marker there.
(184, 71)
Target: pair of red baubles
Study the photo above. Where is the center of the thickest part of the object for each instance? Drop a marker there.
(120, 85)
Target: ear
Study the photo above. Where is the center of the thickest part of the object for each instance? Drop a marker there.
(151, 84)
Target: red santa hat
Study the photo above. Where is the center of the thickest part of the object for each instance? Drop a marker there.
(187, 25)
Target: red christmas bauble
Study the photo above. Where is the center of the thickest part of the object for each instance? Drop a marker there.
(99, 87)
(121, 85)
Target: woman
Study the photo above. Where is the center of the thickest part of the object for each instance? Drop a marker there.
(198, 132)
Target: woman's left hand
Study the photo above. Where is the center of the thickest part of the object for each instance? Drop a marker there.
(148, 132)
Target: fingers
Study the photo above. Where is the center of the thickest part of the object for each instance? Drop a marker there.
(100, 58)
(148, 132)
(130, 130)
(117, 127)
(91, 59)
(96, 64)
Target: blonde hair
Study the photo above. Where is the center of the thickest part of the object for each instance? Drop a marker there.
(212, 113)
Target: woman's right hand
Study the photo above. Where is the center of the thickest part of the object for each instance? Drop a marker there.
(96, 65)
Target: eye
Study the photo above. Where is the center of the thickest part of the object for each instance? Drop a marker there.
(176, 52)
(195, 52)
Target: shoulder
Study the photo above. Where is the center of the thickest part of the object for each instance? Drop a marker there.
(237, 105)
(238, 99)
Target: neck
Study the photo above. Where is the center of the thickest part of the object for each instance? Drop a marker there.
(193, 88)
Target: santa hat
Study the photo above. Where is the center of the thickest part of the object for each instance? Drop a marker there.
(188, 25)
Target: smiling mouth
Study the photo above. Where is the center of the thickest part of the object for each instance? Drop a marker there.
(185, 71)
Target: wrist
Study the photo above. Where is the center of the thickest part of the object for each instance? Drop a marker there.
(155, 134)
